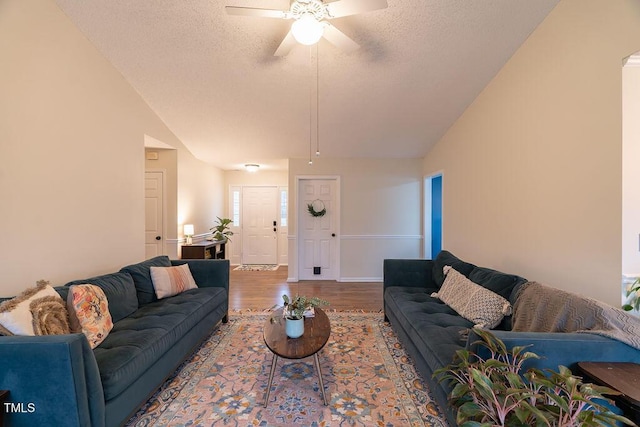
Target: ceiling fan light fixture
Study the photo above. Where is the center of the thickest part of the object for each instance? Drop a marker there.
(307, 29)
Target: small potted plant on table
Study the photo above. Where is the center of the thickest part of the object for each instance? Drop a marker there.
(294, 312)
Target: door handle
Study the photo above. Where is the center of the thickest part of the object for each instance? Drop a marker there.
(158, 238)
(333, 234)
(274, 229)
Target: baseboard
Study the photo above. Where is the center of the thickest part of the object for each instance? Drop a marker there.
(360, 279)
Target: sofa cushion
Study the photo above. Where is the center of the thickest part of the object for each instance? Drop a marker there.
(473, 302)
(138, 341)
(141, 274)
(445, 258)
(89, 312)
(496, 281)
(120, 292)
(169, 281)
(436, 329)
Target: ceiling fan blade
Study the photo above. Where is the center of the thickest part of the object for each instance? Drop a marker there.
(342, 8)
(252, 11)
(339, 39)
(287, 44)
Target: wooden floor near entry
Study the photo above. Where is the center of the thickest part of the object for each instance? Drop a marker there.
(259, 290)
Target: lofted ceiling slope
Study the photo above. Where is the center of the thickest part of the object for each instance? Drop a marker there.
(213, 79)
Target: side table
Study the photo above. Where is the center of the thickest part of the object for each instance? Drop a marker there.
(317, 330)
(623, 377)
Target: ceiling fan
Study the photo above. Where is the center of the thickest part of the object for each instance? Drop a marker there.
(311, 21)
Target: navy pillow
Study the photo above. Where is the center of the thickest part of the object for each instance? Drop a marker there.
(447, 258)
(500, 283)
(141, 273)
(119, 290)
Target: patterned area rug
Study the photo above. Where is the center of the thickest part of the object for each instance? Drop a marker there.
(368, 378)
(256, 267)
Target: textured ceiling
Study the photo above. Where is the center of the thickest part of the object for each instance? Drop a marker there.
(213, 79)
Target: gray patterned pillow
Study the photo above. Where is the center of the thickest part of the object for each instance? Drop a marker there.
(471, 301)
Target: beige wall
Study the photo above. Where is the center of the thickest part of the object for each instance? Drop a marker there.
(201, 195)
(532, 170)
(72, 134)
(380, 211)
(259, 178)
(194, 194)
(631, 170)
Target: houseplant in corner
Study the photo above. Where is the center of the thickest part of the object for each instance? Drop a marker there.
(493, 391)
(294, 311)
(221, 230)
(633, 296)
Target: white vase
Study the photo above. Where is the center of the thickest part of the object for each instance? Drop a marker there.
(294, 327)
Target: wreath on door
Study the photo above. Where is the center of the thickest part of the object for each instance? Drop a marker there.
(316, 208)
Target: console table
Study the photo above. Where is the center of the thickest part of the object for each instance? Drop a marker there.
(204, 250)
(620, 376)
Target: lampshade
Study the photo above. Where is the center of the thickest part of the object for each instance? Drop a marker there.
(307, 29)
(188, 230)
(251, 167)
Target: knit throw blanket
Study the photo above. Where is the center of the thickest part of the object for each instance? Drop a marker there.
(540, 308)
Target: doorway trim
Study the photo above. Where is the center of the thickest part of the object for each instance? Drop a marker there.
(295, 277)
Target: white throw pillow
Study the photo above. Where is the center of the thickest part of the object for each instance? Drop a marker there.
(168, 281)
(17, 314)
(472, 301)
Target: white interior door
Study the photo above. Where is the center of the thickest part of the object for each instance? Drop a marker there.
(318, 241)
(259, 225)
(153, 210)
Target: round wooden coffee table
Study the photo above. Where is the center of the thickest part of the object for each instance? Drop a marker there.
(316, 334)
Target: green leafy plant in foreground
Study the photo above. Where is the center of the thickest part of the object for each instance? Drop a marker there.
(494, 391)
(633, 295)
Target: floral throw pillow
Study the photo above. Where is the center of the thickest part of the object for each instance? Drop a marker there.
(89, 312)
(168, 281)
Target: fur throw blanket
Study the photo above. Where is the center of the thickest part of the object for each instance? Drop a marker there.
(540, 308)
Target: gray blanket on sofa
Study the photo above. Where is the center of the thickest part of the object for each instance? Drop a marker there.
(540, 308)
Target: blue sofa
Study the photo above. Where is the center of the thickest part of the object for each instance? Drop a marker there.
(59, 380)
(432, 332)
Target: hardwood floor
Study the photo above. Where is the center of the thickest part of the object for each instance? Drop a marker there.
(259, 290)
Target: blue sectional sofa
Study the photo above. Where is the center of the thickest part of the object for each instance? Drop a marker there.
(432, 332)
(60, 381)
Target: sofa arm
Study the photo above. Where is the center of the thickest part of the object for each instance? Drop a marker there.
(415, 273)
(208, 272)
(561, 348)
(52, 380)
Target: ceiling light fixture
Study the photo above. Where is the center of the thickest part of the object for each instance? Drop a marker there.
(251, 167)
(307, 29)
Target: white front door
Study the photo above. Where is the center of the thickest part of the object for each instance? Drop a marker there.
(318, 241)
(153, 214)
(259, 225)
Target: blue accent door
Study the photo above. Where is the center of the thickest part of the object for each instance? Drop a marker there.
(436, 216)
